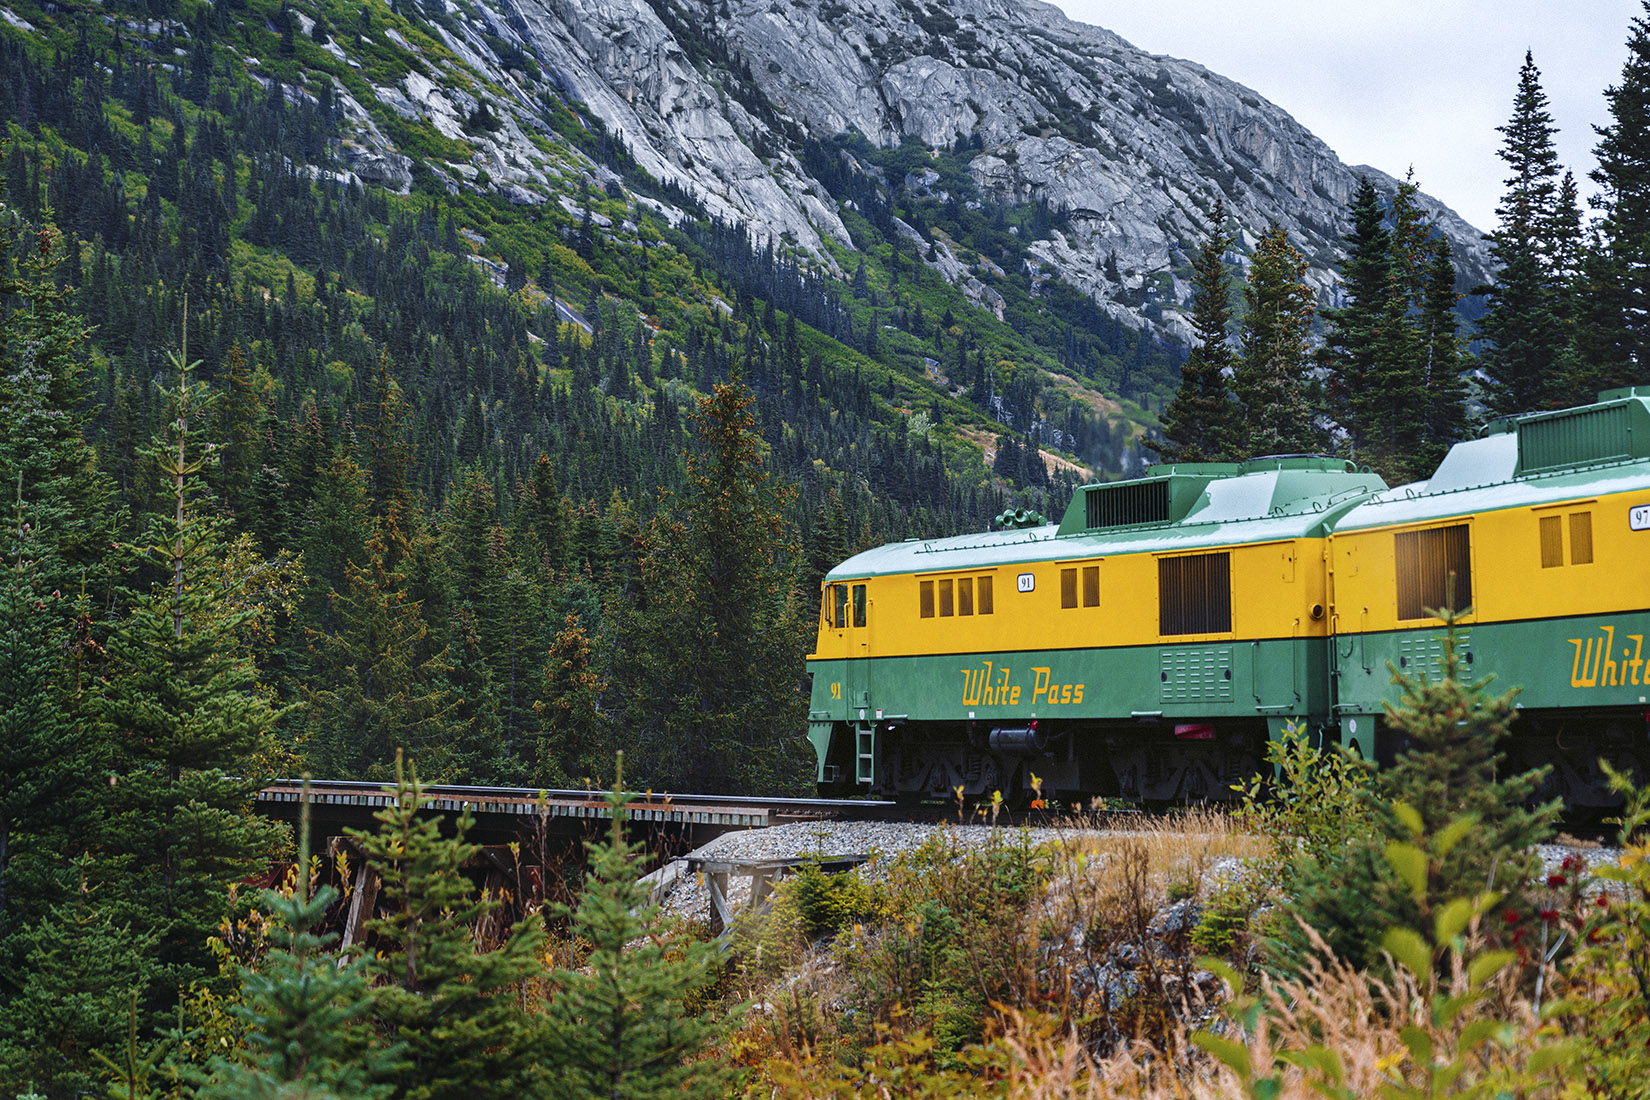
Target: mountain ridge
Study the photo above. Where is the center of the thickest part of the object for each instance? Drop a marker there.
(1055, 177)
(1129, 146)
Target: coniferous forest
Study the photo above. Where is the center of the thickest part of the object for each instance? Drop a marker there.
(302, 474)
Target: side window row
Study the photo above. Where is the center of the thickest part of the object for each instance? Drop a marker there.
(950, 596)
(1434, 570)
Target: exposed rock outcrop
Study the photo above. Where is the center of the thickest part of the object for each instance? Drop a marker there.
(719, 96)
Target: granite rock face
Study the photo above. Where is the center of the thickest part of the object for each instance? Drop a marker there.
(625, 65)
(1134, 146)
(719, 96)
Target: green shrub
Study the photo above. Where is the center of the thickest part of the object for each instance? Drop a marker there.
(1316, 801)
(949, 937)
(1467, 831)
(1607, 980)
(1223, 929)
(825, 903)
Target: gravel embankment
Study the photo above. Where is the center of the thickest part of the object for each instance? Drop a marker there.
(685, 894)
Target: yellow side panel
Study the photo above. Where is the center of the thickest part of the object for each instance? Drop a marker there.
(1605, 565)
(1276, 587)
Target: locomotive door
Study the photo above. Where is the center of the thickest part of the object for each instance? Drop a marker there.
(1273, 674)
(858, 673)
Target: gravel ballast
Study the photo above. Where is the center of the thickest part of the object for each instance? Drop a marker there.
(685, 895)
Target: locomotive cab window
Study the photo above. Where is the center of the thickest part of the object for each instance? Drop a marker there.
(1194, 594)
(1434, 570)
(859, 605)
(836, 607)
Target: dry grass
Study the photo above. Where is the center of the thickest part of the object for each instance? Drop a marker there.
(1354, 1028)
(1181, 850)
(1103, 923)
(1353, 1025)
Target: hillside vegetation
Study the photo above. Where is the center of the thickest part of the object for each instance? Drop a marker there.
(363, 401)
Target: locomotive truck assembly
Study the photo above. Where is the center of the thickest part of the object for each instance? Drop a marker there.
(1148, 645)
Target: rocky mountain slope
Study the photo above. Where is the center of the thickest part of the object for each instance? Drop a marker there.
(718, 98)
(984, 205)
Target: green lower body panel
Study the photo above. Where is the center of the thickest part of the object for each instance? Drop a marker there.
(1145, 720)
(1584, 694)
(1192, 681)
(1558, 664)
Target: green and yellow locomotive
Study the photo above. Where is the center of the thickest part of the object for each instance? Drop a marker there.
(1149, 644)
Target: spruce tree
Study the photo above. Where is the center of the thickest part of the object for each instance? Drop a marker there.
(44, 350)
(1444, 364)
(621, 1025)
(72, 994)
(826, 547)
(513, 624)
(475, 751)
(1447, 779)
(1352, 336)
(1617, 287)
(243, 412)
(185, 721)
(1198, 425)
(452, 1007)
(304, 1008)
(573, 730)
(715, 659)
(1271, 381)
(1526, 330)
(377, 688)
(538, 522)
(1391, 352)
(332, 531)
(41, 747)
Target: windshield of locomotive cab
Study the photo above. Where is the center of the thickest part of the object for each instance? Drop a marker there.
(836, 611)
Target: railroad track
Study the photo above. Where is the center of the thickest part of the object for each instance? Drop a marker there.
(352, 803)
(355, 801)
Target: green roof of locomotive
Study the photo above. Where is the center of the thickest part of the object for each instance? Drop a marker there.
(1519, 461)
(1529, 460)
(1182, 506)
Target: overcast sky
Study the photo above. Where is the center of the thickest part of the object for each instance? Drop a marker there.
(1396, 83)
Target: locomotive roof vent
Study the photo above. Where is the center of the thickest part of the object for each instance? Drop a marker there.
(1616, 429)
(1165, 495)
(1126, 503)
(1216, 492)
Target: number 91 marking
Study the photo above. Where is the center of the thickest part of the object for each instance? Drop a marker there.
(836, 691)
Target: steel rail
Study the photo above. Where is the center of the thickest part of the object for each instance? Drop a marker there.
(691, 809)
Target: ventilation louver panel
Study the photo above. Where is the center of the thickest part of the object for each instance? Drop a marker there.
(1434, 570)
(1581, 437)
(1194, 594)
(1128, 503)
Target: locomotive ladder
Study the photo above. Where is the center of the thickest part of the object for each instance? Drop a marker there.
(865, 746)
